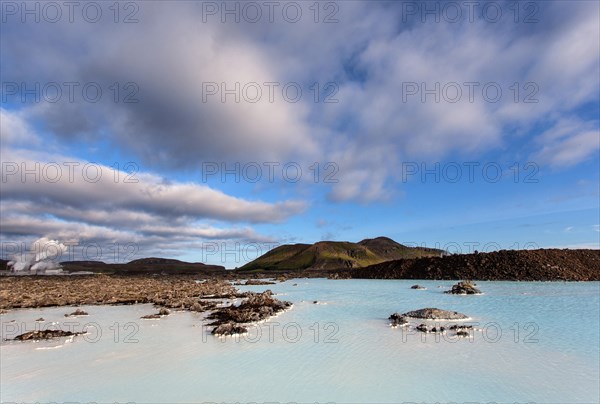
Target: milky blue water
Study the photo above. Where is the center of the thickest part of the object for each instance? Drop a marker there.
(538, 342)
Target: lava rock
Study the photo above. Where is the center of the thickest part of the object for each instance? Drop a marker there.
(435, 314)
(77, 312)
(255, 282)
(44, 335)
(464, 288)
(398, 319)
(257, 307)
(229, 329)
(161, 313)
(418, 287)
(457, 327)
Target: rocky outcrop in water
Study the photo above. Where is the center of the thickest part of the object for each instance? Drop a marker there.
(457, 327)
(423, 328)
(161, 313)
(464, 288)
(44, 335)
(229, 329)
(435, 314)
(257, 307)
(398, 319)
(418, 287)
(254, 282)
(76, 313)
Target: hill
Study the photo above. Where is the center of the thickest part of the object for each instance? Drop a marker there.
(336, 255)
(510, 265)
(143, 266)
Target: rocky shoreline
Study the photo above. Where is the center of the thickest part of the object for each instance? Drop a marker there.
(173, 292)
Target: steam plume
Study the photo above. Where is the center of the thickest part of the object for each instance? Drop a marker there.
(42, 256)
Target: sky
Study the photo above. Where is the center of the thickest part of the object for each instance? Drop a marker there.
(215, 131)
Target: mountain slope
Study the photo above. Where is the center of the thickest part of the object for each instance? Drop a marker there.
(337, 255)
(387, 248)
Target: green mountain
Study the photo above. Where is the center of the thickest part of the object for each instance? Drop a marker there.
(337, 255)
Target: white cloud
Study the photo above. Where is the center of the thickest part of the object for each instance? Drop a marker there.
(14, 130)
(569, 142)
(60, 198)
(371, 53)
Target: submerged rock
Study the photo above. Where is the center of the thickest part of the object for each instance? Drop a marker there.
(253, 282)
(457, 327)
(423, 328)
(151, 316)
(44, 335)
(161, 313)
(77, 312)
(229, 329)
(418, 287)
(398, 319)
(464, 288)
(435, 314)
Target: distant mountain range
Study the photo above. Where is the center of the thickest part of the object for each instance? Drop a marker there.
(323, 255)
(143, 266)
(379, 258)
(337, 255)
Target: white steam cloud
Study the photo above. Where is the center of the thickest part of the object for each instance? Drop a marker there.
(40, 258)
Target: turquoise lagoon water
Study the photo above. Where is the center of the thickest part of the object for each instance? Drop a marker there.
(537, 342)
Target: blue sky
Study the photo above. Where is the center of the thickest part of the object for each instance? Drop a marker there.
(458, 131)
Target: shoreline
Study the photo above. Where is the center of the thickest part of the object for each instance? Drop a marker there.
(172, 292)
(175, 292)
